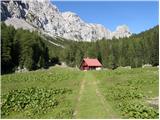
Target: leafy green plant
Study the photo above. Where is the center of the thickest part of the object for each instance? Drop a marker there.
(127, 90)
(137, 110)
(34, 101)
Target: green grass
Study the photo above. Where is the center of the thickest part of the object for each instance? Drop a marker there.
(92, 104)
(120, 93)
(126, 88)
(54, 78)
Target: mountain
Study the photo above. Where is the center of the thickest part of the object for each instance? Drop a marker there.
(44, 16)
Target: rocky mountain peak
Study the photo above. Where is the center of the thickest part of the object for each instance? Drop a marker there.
(70, 16)
(122, 28)
(45, 16)
(122, 31)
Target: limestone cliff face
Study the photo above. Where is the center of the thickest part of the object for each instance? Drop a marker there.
(46, 17)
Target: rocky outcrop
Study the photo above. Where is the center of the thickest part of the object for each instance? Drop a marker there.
(46, 17)
(19, 23)
(121, 31)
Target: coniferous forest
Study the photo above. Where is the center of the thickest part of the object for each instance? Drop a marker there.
(134, 51)
(25, 49)
(22, 48)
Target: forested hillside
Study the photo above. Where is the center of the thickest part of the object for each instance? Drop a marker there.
(30, 50)
(25, 49)
(134, 51)
(22, 48)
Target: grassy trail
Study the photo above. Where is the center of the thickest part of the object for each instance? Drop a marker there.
(91, 103)
(120, 93)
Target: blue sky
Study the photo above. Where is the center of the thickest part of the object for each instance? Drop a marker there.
(139, 16)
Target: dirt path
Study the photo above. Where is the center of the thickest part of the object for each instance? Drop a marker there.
(91, 103)
(79, 97)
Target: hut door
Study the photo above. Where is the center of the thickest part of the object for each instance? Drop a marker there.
(86, 68)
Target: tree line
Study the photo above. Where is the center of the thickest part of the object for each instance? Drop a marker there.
(133, 51)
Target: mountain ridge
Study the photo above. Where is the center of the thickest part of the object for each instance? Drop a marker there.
(46, 17)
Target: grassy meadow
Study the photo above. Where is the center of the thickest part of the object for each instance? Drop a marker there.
(127, 91)
(70, 93)
(54, 78)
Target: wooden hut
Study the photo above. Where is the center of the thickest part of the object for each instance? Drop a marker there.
(90, 64)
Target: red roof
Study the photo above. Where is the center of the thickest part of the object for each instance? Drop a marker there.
(92, 62)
